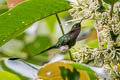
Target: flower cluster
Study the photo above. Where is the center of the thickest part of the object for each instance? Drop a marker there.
(100, 58)
(84, 8)
(108, 29)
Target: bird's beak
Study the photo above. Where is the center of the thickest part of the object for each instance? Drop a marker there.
(82, 20)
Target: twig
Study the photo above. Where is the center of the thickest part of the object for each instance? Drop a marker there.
(71, 56)
(98, 36)
(60, 24)
(111, 10)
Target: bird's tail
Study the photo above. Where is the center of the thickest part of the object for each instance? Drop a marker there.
(35, 54)
(52, 47)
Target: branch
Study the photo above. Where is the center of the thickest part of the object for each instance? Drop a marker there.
(111, 10)
(60, 24)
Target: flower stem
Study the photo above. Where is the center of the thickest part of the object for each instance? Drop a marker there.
(98, 35)
(58, 19)
(111, 10)
(71, 56)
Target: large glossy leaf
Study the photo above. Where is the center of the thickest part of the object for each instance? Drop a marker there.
(51, 23)
(8, 76)
(3, 10)
(85, 68)
(23, 68)
(17, 19)
(54, 71)
(5, 67)
(12, 3)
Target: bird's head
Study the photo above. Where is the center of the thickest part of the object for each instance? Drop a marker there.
(76, 26)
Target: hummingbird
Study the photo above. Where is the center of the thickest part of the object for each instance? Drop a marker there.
(65, 42)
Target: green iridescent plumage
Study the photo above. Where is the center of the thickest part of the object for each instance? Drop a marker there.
(68, 39)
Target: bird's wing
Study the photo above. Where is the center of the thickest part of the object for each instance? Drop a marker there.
(61, 40)
(69, 37)
(65, 39)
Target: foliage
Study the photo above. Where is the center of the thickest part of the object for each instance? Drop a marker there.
(100, 47)
(66, 73)
(107, 28)
(66, 70)
(7, 75)
(22, 16)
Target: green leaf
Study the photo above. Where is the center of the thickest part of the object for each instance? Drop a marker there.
(81, 67)
(51, 23)
(8, 76)
(63, 72)
(62, 69)
(90, 72)
(5, 68)
(110, 1)
(67, 73)
(3, 10)
(17, 19)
